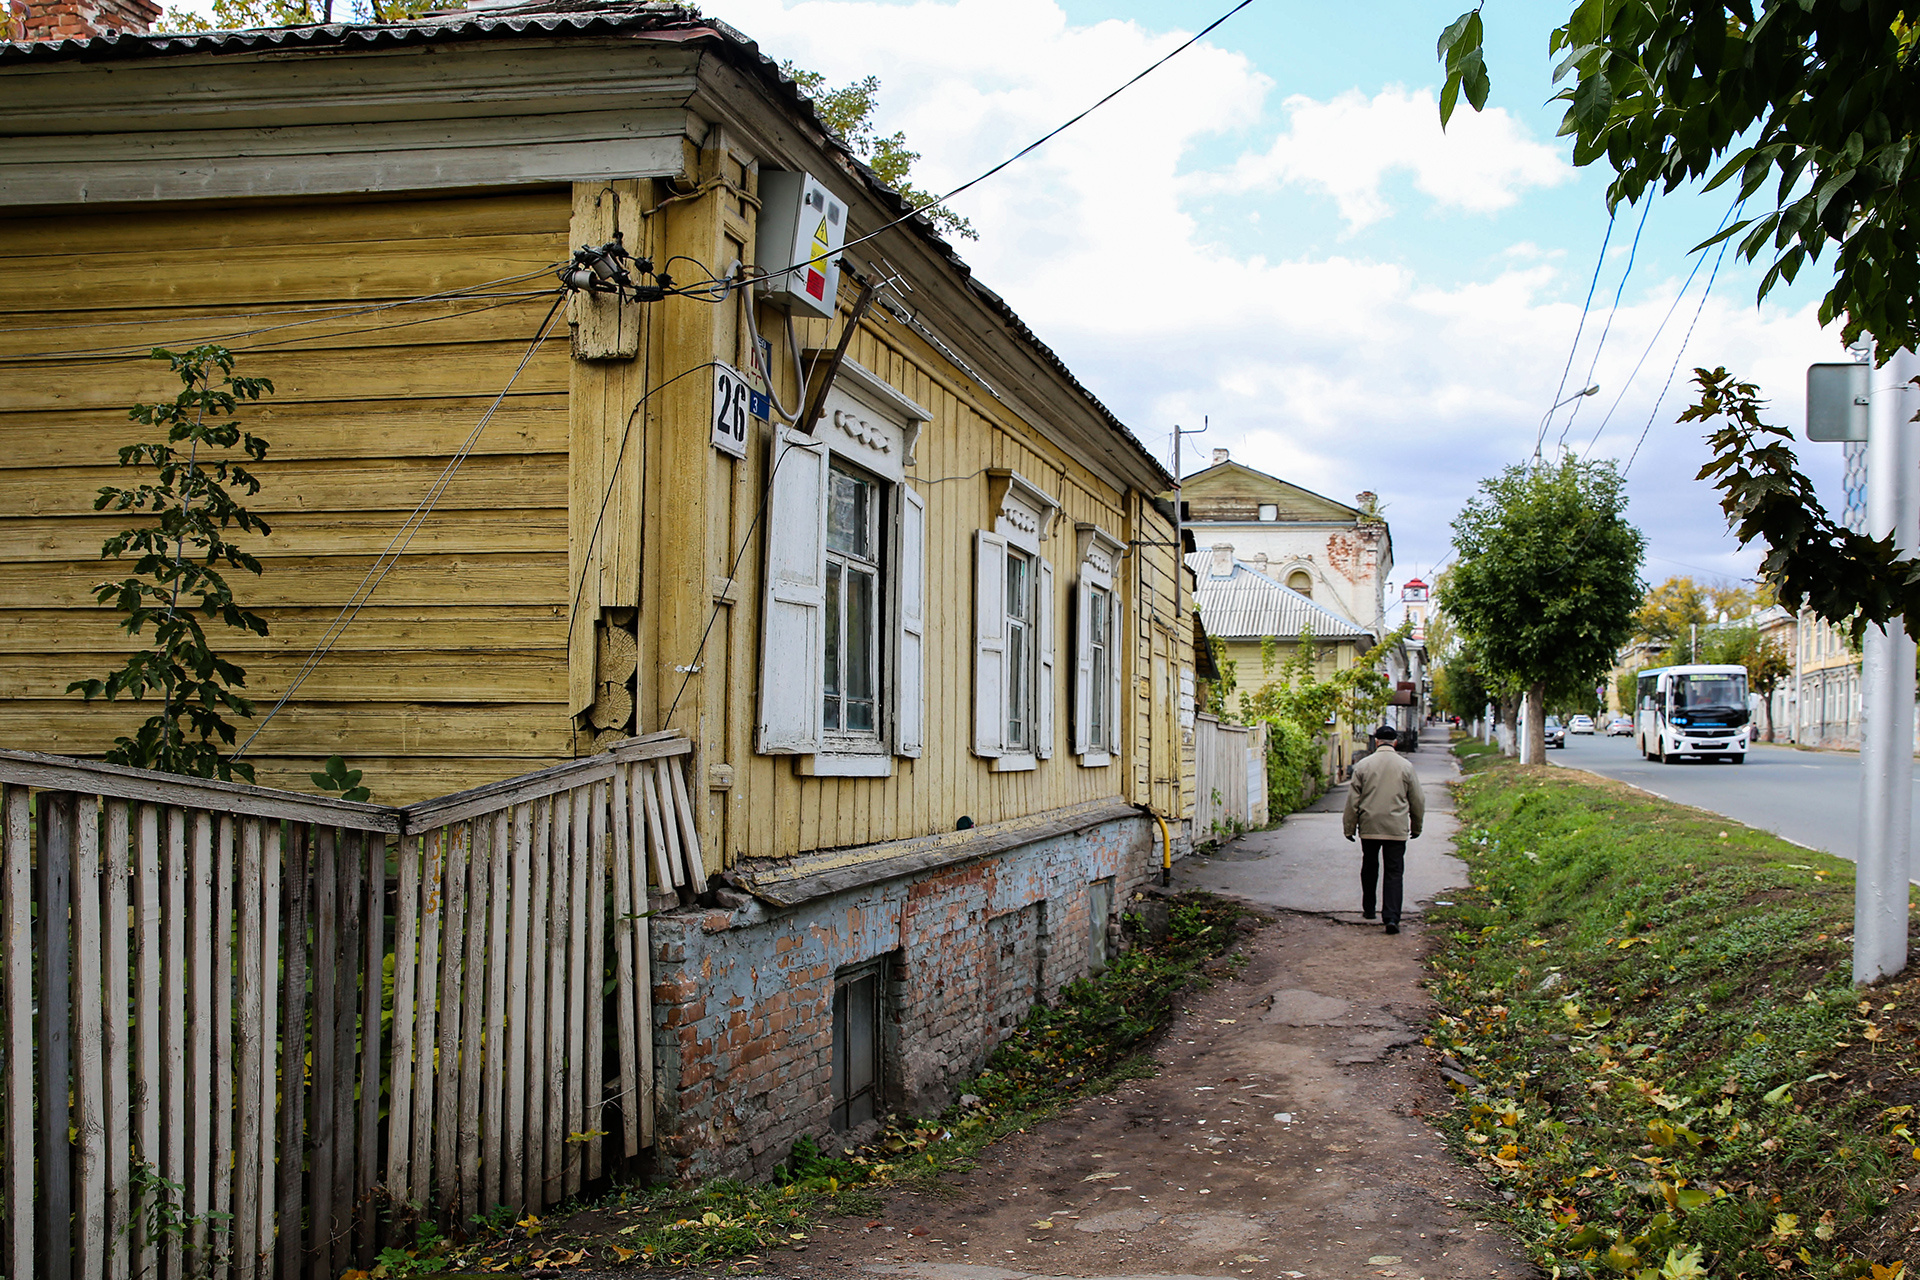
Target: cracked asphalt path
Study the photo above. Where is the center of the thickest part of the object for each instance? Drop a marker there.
(1285, 1135)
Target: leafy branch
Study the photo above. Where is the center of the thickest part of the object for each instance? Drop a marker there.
(175, 579)
(1849, 579)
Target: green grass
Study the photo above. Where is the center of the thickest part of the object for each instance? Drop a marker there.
(1088, 1041)
(1670, 1067)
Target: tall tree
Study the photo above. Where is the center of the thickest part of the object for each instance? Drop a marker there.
(1817, 99)
(1668, 613)
(1548, 579)
(849, 110)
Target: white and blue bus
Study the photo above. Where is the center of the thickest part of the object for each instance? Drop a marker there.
(1695, 710)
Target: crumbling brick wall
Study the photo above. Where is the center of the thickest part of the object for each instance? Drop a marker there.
(744, 999)
(85, 19)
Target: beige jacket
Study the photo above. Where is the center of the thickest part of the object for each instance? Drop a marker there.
(1384, 800)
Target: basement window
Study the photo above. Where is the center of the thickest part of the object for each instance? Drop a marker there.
(856, 1047)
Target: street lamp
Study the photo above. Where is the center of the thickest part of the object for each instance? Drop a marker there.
(1541, 437)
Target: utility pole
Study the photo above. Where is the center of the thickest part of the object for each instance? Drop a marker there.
(1886, 687)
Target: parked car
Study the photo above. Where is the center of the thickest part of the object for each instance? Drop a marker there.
(1580, 724)
(1619, 727)
(1556, 733)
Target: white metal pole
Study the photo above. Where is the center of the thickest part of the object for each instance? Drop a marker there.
(1886, 688)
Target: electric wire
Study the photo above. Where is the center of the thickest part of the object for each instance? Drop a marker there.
(1672, 307)
(1667, 386)
(1607, 328)
(144, 350)
(1574, 349)
(1035, 145)
(402, 538)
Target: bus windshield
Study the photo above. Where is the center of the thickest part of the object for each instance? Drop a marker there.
(1717, 694)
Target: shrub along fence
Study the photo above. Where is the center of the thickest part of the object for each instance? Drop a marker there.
(252, 1033)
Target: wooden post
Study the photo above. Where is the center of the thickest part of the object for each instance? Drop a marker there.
(16, 890)
(298, 896)
(89, 1082)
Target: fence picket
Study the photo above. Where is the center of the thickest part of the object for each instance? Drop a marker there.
(326, 996)
(513, 1159)
(272, 907)
(562, 899)
(223, 1078)
(537, 967)
(55, 1201)
(596, 905)
(472, 1010)
(349, 912)
(89, 1073)
(433, 885)
(373, 881)
(16, 882)
(406, 937)
(119, 1104)
(173, 1014)
(689, 828)
(446, 1128)
(579, 855)
(496, 1031)
(623, 911)
(296, 911)
(669, 821)
(246, 1152)
(201, 1063)
(644, 778)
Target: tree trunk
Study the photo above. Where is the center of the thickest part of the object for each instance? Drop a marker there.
(1536, 726)
(1766, 700)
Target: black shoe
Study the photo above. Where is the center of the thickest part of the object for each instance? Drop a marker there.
(1366, 915)
(1393, 928)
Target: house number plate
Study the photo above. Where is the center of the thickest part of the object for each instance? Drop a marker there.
(731, 397)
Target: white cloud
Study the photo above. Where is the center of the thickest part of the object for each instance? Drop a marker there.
(1349, 146)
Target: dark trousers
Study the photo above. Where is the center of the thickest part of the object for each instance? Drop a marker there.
(1395, 852)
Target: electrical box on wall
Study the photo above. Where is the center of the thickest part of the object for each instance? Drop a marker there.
(802, 226)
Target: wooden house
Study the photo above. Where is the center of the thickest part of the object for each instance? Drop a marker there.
(927, 646)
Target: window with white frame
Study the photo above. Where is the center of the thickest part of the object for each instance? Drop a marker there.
(843, 625)
(1014, 622)
(1098, 625)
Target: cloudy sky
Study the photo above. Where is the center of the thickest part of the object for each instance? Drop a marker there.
(1273, 235)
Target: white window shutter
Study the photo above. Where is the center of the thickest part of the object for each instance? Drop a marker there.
(1116, 646)
(1083, 690)
(989, 643)
(910, 579)
(1045, 616)
(791, 639)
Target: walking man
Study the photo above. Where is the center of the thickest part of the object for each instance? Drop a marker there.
(1385, 809)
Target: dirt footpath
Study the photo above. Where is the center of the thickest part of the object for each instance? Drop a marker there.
(1284, 1135)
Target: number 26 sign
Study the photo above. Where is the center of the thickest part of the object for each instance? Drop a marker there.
(730, 404)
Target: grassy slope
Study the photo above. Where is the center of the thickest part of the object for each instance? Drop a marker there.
(1646, 1009)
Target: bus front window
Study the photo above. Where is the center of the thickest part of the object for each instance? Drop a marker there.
(1717, 697)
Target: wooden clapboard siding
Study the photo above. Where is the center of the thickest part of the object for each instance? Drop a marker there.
(454, 675)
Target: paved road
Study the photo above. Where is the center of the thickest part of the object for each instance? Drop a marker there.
(1810, 797)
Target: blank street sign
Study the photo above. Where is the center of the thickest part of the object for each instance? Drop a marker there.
(1837, 401)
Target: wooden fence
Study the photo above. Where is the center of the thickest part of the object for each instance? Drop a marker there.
(1230, 777)
(252, 1033)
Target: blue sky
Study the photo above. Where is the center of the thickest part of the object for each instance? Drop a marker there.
(1272, 232)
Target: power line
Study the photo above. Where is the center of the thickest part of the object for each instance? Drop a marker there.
(1030, 147)
(1658, 330)
(1573, 350)
(1613, 311)
(403, 537)
(1675, 368)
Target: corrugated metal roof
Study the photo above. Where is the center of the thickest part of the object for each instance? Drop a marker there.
(534, 18)
(1249, 605)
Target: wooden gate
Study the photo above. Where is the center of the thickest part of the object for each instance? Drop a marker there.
(1230, 777)
(293, 1025)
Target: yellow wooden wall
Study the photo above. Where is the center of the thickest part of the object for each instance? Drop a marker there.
(757, 805)
(455, 673)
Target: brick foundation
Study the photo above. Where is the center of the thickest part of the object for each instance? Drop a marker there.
(744, 999)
